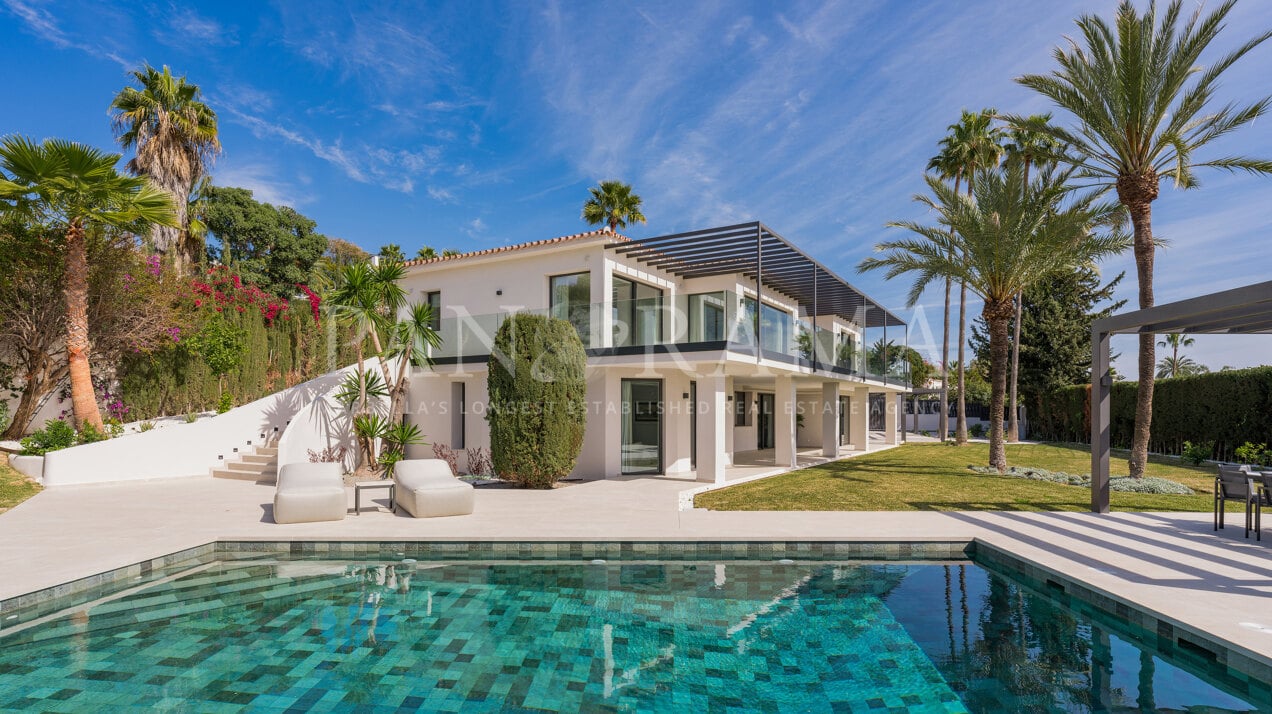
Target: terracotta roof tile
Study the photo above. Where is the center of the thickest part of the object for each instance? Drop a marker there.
(519, 246)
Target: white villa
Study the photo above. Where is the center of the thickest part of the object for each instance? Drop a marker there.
(705, 349)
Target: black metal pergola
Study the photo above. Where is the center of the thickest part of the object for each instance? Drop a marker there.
(1241, 311)
(755, 251)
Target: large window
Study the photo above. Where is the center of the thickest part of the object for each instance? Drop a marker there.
(434, 300)
(570, 299)
(706, 317)
(637, 309)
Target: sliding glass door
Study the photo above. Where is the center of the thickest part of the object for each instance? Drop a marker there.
(642, 426)
(637, 313)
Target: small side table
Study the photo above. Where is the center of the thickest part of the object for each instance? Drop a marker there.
(359, 486)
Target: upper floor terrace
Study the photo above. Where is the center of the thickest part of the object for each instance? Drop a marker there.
(740, 290)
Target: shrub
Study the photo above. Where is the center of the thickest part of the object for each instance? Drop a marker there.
(191, 417)
(89, 434)
(388, 459)
(329, 455)
(1227, 408)
(977, 430)
(1196, 454)
(447, 454)
(114, 427)
(478, 461)
(1126, 484)
(537, 409)
(145, 426)
(56, 434)
(224, 403)
(1253, 454)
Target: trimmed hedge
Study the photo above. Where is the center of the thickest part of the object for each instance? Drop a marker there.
(1226, 408)
(174, 380)
(538, 400)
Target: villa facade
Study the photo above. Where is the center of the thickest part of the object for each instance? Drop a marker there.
(703, 348)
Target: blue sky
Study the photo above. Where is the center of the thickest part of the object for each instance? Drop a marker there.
(468, 125)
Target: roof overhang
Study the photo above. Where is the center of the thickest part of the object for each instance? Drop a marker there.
(756, 252)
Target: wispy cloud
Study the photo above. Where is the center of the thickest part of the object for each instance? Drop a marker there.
(475, 228)
(184, 27)
(40, 22)
(262, 181)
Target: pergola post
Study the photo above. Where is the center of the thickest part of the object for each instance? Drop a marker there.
(1101, 399)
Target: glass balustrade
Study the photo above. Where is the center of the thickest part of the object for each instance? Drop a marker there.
(715, 318)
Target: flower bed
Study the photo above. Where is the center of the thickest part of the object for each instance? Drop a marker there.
(1147, 484)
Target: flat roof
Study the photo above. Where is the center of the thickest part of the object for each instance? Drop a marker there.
(756, 251)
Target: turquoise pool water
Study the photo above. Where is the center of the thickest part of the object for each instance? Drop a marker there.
(315, 635)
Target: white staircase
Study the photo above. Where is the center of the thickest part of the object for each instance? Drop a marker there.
(259, 465)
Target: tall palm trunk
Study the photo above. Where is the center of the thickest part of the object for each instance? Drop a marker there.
(1013, 415)
(998, 317)
(1137, 193)
(960, 425)
(945, 343)
(83, 396)
(945, 367)
(169, 240)
(1013, 423)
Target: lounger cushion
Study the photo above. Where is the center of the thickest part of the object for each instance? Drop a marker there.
(307, 493)
(426, 489)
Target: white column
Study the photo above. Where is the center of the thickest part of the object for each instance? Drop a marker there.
(784, 407)
(612, 415)
(830, 418)
(891, 413)
(712, 423)
(859, 419)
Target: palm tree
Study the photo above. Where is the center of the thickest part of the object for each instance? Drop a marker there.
(1174, 341)
(1030, 145)
(1006, 237)
(75, 188)
(426, 253)
(1142, 102)
(613, 203)
(175, 138)
(367, 298)
(1176, 366)
(409, 341)
(392, 253)
(948, 165)
(977, 144)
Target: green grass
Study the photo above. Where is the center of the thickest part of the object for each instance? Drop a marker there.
(14, 487)
(935, 477)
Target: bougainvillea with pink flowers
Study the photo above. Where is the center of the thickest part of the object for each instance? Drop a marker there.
(221, 289)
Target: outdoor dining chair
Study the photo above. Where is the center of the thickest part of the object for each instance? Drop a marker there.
(1237, 484)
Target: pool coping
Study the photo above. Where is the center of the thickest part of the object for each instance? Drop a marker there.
(1238, 660)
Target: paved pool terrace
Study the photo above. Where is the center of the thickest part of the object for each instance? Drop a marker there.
(1209, 591)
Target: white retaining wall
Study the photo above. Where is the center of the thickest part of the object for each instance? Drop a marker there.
(186, 449)
(324, 423)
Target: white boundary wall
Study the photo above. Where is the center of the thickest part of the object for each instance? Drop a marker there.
(188, 449)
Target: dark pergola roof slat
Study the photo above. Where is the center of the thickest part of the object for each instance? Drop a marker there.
(752, 249)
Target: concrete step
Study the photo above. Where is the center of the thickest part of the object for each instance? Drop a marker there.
(267, 451)
(255, 468)
(259, 458)
(267, 477)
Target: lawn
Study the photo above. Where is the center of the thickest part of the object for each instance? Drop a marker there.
(935, 477)
(14, 487)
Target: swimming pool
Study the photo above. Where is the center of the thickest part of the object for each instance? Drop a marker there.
(310, 634)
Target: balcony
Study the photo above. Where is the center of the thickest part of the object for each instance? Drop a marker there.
(718, 321)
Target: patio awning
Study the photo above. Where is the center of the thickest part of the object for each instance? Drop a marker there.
(755, 251)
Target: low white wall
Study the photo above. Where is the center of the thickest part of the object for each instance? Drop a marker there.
(186, 449)
(323, 423)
